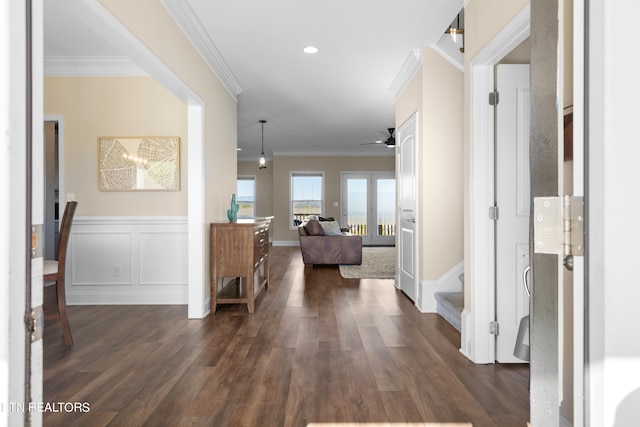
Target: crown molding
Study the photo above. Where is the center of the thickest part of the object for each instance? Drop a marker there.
(382, 153)
(91, 66)
(406, 73)
(191, 26)
(454, 57)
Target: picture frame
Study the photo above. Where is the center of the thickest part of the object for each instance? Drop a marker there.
(139, 163)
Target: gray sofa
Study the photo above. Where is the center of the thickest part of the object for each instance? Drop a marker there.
(318, 248)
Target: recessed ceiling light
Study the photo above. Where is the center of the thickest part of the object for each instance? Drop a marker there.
(310, 49)
(238, 149)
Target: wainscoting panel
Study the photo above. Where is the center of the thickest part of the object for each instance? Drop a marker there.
(127, 260)
(163, 258)
(100, 258)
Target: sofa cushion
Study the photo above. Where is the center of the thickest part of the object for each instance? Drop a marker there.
(331, 228)
(313, 228)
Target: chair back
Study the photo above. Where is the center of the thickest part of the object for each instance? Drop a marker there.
(65, 231)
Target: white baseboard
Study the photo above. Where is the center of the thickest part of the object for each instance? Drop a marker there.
(449, 282)
(285, 242)
(91, 297)
(128, 260)
(465, 332)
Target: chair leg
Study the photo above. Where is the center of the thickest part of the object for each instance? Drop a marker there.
(62, 312)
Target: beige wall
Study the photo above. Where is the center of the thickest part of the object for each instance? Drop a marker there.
(331, 166)
(264, 185)
(150, 22)
(441, 159)
(115, 106)
(436, 93)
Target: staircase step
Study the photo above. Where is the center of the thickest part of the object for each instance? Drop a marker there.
(449, 305)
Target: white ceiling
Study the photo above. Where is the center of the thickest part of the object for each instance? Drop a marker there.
(329, 102)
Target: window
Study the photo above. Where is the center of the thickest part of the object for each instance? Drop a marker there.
(307, 192)
(246, 197)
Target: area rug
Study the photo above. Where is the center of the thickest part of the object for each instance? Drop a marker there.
(377, 263)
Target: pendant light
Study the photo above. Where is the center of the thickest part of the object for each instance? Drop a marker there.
(262, 160)
(454, 30)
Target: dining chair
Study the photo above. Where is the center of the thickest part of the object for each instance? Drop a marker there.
(54, 274)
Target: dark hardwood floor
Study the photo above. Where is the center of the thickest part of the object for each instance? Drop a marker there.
(319, 350)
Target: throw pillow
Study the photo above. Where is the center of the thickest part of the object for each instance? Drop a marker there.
(331, 228)
(313, 228)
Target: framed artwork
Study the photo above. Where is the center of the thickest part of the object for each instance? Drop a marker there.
(139, 163)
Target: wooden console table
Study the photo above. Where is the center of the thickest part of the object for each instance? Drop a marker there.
(239, 250)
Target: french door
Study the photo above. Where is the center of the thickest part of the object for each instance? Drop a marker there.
(368, 206)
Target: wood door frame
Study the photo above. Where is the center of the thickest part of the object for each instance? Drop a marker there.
(477, 343)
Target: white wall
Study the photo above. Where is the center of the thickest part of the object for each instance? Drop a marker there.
(613, 325)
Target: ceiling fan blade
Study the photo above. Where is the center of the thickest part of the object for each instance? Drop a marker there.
(371, 143)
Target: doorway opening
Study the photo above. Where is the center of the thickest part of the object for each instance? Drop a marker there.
(53, 183)
(477, 341)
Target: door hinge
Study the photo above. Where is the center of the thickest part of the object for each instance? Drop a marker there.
(34, 323)
(558, 225)
(494, 98)
(494, 328)
(494, 213)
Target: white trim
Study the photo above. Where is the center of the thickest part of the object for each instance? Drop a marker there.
(448, 282)
(91, 66)
(129, 220)
(191, 26)
(466, 334)
(142, 297)
(378, 152)
(447, 55)
(480, 344)
(291, 243)
(198, 252)
(408, 69)
(9, 313)
(580, 402)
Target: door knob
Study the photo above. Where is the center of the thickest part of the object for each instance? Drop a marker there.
(525, 279)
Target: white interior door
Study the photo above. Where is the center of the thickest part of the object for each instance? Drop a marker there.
(513, 201)
(407, 207)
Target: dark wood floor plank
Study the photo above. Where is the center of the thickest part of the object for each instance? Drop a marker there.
(347, 327)
(364, 398)
(318, 349)
(382, 364)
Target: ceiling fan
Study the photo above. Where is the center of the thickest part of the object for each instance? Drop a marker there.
(390, 141)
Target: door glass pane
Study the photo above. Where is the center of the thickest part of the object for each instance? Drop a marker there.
(357, 206)
(386, 217)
